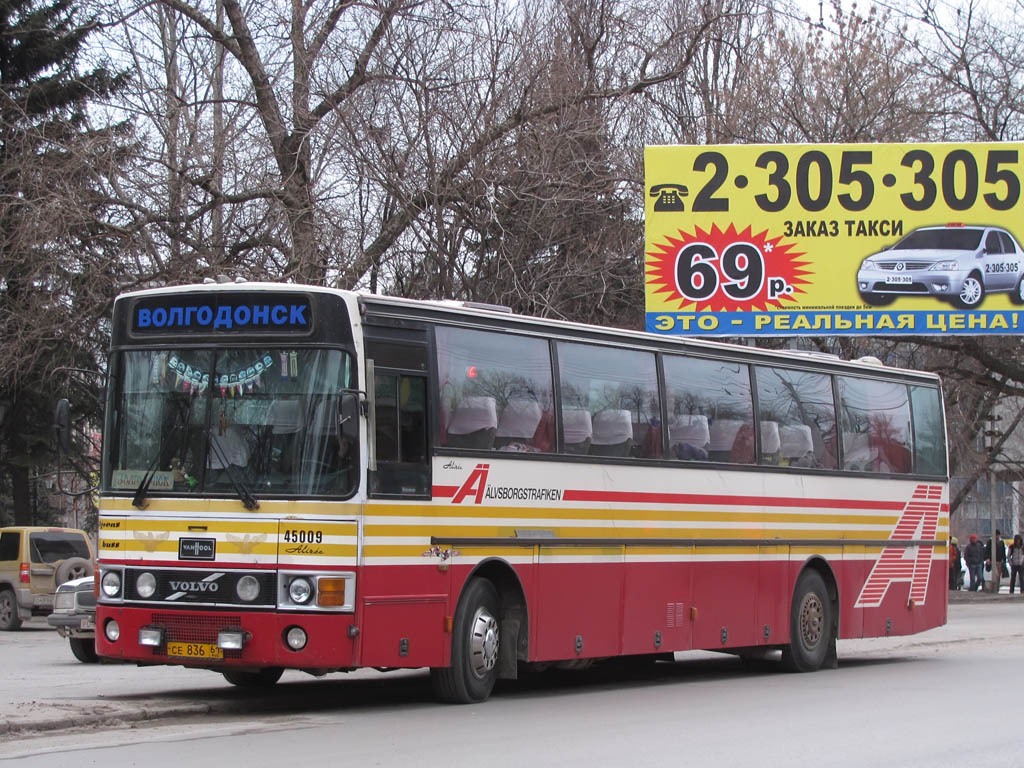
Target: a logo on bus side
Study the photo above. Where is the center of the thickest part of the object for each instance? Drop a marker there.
(920, 522)
(474, 486)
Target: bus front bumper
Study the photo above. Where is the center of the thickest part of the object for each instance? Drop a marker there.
(205, 639)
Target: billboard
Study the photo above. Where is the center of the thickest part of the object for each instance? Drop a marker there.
(810, 239)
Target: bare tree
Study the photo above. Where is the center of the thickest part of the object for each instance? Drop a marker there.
(374, 117)
(978, 57)
(855, 80)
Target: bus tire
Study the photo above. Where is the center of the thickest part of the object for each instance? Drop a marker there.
(810, 624)
(475, 641)
(9, 618)
(260, 678)
(84, 649)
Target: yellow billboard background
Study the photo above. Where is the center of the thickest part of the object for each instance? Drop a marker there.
(751, 240)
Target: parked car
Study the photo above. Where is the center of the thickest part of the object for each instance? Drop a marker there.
(74, 616)
(34, 561)
(956, 263)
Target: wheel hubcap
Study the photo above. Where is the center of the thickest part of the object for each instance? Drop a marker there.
(812, 621)
(6, 609)
(971, 291)
(483, 645)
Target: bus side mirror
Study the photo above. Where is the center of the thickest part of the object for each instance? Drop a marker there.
(62, 425)
(348, 416)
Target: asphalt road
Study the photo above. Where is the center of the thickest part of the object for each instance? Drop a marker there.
(926, 700)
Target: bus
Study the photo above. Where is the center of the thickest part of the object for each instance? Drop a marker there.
(305, 478)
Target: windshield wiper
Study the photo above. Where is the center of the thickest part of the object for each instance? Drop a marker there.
(180, 423)
(248, 500)
(139, 499)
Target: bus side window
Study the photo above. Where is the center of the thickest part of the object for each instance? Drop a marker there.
(876, 426)
(494, 391)
(710, 410)
(929, 431)
(401, 435)
(797, 417)
(400, 408)
(610, 401)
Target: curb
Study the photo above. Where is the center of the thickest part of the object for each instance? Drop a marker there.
(78, 721)
(966, 596)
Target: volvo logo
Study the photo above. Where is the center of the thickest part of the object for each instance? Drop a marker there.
(182, 588)
(194, 586)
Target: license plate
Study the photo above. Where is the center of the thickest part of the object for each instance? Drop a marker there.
(195, 651)
(898, 279)
(43, 601)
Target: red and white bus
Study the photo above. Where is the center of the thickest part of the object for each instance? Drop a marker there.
(306, 478)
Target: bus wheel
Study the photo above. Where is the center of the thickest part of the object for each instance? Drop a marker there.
(261, 678)
(472, 673)
(810, 624)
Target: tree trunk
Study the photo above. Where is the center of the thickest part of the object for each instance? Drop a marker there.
(21, 492)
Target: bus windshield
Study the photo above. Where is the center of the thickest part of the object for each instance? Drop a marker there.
(242, 421)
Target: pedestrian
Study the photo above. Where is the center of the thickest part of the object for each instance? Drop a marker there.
(974, 556)
(955, 574)
(1000, 555)
(1017, 563)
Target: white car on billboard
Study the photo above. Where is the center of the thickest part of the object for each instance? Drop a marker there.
(958, 263)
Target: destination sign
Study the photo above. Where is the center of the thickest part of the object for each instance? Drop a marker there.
(222, 313)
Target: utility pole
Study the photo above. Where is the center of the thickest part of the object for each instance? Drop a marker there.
(993, 434)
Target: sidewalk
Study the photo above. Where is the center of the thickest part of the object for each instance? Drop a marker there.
(966, 596)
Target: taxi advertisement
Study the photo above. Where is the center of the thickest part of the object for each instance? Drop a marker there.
(855, 239)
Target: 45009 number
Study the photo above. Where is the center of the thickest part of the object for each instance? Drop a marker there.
(303, 536)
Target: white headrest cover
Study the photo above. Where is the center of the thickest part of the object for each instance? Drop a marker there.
(472, 414)
(612, 427)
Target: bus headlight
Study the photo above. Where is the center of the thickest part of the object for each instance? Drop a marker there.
(111, 583)
(314, 591)
(145, 585)
(300, 590)
(248, 588)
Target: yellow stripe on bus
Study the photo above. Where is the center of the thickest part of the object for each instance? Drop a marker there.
(199, 527)
(318, 550)
(268, 549)
(202, 507)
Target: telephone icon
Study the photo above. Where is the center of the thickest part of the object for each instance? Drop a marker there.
(670, 197)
